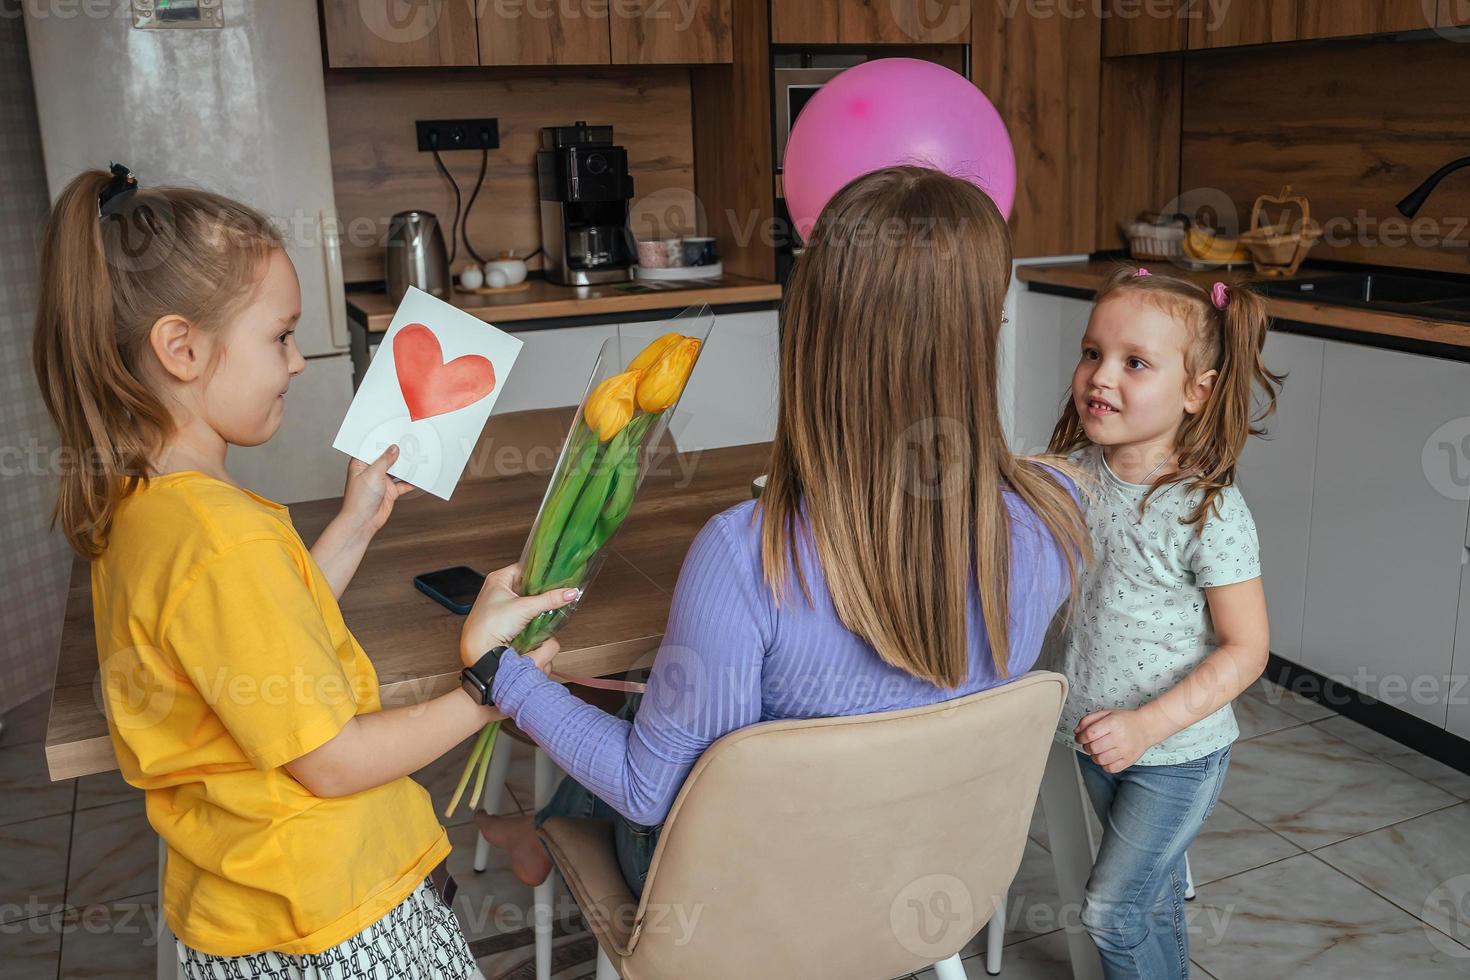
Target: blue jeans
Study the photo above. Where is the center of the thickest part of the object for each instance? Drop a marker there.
(1134, 908)
(634, 843)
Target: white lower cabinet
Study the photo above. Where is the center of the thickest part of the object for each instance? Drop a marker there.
(1457, 713)
(730, 400)
(1047, 343)
(1276, 475)
(1388, 532)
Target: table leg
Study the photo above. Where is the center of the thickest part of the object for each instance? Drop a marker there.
(1072, 851)
(168, 953)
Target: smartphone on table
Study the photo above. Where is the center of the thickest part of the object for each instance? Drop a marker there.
(453, 588)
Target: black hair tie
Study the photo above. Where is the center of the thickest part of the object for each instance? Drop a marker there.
(115, 194)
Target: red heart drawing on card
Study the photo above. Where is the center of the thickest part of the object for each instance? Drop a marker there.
(430, 387)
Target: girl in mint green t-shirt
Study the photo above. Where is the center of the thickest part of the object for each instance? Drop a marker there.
(1170, 623)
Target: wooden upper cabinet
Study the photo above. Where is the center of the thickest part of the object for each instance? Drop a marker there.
(1454, 13)
(1347, 18)
(671, 32)
(1242, 22)
(1131, 27)
(871, 21)
(549, 34)
(399, 34)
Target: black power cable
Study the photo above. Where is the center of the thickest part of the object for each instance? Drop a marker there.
(454, 227)
(479, 183)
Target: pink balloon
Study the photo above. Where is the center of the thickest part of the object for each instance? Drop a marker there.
(891, 112)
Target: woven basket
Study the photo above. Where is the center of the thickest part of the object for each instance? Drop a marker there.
(1156, 241)
(1278, 248)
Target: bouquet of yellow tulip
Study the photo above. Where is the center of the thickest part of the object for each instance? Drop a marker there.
(602, 464)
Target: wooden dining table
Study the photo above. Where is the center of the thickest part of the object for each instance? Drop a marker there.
(413, 642)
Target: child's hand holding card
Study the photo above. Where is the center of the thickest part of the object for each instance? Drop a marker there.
(429, 389)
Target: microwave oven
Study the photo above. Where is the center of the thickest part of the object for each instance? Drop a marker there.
(794, 87)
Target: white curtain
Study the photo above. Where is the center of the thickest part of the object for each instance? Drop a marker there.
(34, 561)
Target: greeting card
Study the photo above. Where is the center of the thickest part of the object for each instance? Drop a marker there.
(429, 389)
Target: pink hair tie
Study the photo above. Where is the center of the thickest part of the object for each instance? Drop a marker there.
(1220, 295)
(1141, 273)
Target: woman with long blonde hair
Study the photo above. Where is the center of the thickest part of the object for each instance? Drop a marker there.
(900, 555)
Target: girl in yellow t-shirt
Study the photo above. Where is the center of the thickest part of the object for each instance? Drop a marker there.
(236, 697)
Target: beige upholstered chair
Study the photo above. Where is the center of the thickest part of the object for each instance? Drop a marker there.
(859, 847)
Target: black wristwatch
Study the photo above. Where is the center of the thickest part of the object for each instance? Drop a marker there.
(479, 680)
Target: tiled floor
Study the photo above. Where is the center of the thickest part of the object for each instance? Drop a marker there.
(1334, 853)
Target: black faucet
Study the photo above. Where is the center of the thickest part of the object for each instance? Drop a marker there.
(1410, 205)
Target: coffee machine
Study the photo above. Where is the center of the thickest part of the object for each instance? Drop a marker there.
(585, 189)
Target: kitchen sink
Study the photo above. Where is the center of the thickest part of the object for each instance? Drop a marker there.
(1447, 298)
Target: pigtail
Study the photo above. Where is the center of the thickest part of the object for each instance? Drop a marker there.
(1210, 442)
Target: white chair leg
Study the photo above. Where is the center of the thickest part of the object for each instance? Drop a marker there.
(168, 950)
(1188, 881)
(950, 969)
(494, 790)
(605, 969)
(995, 938)
(541, 920)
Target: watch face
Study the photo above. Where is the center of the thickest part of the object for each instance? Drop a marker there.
(473, 687)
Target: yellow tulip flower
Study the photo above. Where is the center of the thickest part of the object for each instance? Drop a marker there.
(651, 354)
(610, 406)
(662, 384)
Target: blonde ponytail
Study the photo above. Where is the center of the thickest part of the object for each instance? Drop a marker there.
(104, 282)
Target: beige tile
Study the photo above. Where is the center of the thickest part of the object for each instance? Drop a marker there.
(26, 789)
(1230, 842)
(114, 854)
(1296, 705)
(33, 868)
(1421, 865)
(112, 941)
(1301, 919)
(1398, 755)
(31, 950)
(1315, 789)
(1256, 717)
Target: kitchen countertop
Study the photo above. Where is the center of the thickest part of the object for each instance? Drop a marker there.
(544, 300)
(1088, 276)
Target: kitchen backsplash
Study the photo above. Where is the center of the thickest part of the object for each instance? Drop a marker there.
(377, 169)
(1354, 126)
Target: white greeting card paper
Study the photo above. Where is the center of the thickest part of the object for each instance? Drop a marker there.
(429, 389)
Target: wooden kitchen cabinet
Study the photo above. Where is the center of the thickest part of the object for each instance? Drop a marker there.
(1386, 546)
(1132, 27)
(872, 21)
(395, 34)
(1242, 22)
(1041, 73)
(557, 34)
(1276, 475)
(671, 32)
(1454, 13)
(1349, 18)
